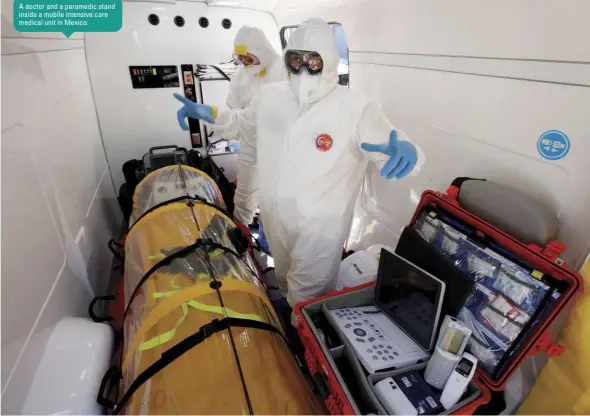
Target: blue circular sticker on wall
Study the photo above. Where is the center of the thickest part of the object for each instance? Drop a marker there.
(553, 144)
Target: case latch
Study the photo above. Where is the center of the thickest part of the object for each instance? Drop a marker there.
(553, 250)
(546, 344)
(451, 195)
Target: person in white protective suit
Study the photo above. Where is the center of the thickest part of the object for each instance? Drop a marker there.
(260, 65)
(314, 140)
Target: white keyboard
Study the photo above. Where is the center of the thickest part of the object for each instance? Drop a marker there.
(378, 342)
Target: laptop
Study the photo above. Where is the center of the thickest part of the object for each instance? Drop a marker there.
(400, 328)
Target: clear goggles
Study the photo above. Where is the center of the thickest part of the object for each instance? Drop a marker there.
(295, 60)
(247, 60)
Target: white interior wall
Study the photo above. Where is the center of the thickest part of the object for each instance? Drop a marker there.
(133, 120)
(475, 85)
(58, 204)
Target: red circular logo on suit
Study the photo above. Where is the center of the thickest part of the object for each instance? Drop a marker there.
(324, 142)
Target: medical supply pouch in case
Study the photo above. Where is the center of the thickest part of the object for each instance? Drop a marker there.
(520, 289)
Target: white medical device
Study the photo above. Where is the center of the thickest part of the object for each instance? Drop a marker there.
(458, 381)
(378, 342)
(400, 330)
(393, 399)
(360, 267)
(451, 343)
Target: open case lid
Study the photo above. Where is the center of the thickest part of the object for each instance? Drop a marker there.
(545, 259)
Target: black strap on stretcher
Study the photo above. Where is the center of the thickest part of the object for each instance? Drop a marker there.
(200, 243)
(114, 375)
(234, 234)
(189, 198)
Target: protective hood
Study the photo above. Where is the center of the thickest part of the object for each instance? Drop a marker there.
(316, 35)
(252, 40)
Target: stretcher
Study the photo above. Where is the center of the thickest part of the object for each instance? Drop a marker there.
(197, 327)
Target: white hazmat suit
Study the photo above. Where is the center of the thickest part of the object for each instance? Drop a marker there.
(246, 81)
(310, 163)
(243, 86)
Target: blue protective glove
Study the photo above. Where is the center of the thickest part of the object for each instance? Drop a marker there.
(402, 156)
(194, 110)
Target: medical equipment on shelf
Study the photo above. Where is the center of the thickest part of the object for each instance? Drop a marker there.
(393, 398)
(458, 381)
(452, 341)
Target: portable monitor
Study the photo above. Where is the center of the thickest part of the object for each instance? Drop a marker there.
(410, 296)
(452, 341)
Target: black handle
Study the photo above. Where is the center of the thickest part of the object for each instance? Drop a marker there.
(117, 249)
(320, 385)
(112, 377)
(239, 240)
(170, 146)
(459, 181)
(93, 316)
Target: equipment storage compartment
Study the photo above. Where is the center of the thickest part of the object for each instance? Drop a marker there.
(348, 387)
(529, 284)
(538, 302)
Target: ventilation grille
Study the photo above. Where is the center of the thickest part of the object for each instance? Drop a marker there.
(226, 23)
(204, 22)
(153, 19)
(179, 21)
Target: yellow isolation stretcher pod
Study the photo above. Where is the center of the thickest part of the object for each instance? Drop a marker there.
(233, 369)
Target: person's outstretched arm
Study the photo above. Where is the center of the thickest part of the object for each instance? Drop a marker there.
(231, 125)
(395, 154)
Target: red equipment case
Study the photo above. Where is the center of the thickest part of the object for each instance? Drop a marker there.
(544, 259)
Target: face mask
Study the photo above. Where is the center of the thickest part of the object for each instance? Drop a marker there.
(304, 86)
(252, 71)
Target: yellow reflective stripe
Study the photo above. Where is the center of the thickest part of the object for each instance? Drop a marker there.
(161, 310)
(157, 256)
(242, 286)
(209, 308)
(219, 310)
(166, 336)
(176, 299)
(216, 253)
(169, 335)
(241, 50)
(173, 282)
